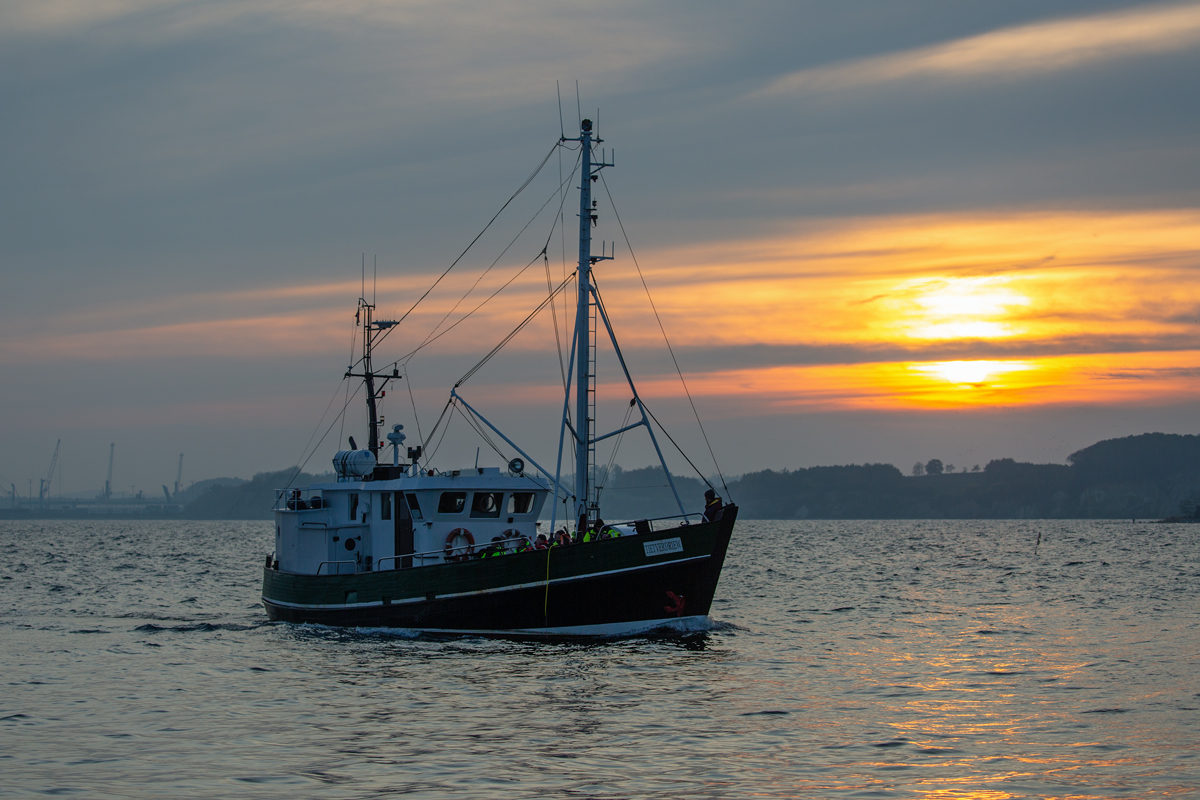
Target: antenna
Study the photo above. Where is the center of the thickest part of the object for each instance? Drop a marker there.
(375, 279)
(562, 132)
(362, 285)
(578, 110)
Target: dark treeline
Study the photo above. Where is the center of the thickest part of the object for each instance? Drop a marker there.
(1153, 475)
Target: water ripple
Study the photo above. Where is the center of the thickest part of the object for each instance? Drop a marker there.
(844, 659)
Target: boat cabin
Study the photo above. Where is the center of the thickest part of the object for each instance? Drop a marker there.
(413, 520)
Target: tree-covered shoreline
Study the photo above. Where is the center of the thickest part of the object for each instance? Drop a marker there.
(1154, 475)
(1149, 476)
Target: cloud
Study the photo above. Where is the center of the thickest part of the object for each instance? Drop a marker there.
(440, 51)
(1104, 379)
(1022, 279)
(1017, 52)
(940, 286)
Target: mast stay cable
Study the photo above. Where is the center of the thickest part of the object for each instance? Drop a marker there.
(514, 332)
(341, 416)
(670, 349)
(482, 275)
(478, 236)
(638, 397)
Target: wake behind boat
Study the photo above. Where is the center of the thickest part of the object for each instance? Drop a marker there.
(406, 545)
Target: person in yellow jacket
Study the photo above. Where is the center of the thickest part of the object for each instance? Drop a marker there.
(712, 505)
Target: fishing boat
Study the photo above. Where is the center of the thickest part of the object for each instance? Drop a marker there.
(462, 551)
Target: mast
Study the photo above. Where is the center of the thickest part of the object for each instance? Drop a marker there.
(369, 377)
(584, 351)
(372, 330)
(586, 508)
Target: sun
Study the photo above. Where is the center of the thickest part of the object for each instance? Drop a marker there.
(964, 308)
(971, 373)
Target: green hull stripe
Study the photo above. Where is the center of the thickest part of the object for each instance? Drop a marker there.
(509, 588)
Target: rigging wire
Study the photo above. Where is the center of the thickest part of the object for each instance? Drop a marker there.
(562, 228)
(558, 146)
(303, 459)
(680, 449)
(600, 303)
(513, 333)
(612, 458)
(425, 444)
(479, 430)
(482, 275)
(560, 221)
(408, 383)
(562, 365)
(405, 358)
(341, 416)
(478, 236)
(353, 336)
(670, 349)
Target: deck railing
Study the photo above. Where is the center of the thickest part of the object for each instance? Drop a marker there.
(507, 546)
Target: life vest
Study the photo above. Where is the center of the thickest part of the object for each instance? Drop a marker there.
(712, 508)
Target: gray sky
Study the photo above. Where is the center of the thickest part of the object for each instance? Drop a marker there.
(189, 188)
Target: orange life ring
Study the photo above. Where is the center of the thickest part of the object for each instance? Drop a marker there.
(451, 548)
(521, 543)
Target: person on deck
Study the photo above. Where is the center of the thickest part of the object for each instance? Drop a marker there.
(712, 505)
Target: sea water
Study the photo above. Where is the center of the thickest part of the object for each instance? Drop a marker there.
(935, 659)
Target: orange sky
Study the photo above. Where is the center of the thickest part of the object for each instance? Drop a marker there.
(930, 311)
(1038, 308)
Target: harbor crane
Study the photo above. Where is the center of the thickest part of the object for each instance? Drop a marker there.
(108, 481)
(178, 482)
(44, 484)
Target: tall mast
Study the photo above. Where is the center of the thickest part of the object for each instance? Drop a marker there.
(586, 510)
(583, 319)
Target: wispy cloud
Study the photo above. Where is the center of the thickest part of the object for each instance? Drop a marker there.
(962, 285)
(1145, 378)
(1028, 279)
(1016, 52)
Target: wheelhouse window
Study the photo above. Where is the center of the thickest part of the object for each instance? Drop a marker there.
(520, 502)
(486, 504)
(413, 506)
(452, 502)
(385, 505)
(354, 505)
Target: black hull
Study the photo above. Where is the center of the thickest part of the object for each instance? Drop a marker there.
(602, 588)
